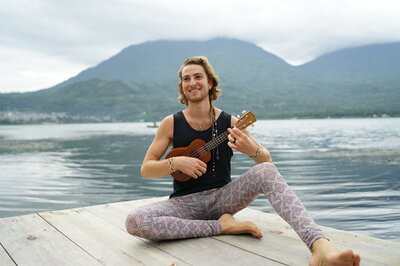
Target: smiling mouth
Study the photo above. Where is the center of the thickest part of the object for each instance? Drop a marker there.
(194, 90)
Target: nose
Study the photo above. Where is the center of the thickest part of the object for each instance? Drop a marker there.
(192, 82)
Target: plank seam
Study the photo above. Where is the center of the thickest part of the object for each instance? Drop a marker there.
(70, 239)
(5, 250)
(139, 238)
(250, 251)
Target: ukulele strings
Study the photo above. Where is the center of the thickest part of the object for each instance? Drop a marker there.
(210, 146)
(213, 143)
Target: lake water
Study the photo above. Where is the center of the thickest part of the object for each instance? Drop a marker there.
(346, 171)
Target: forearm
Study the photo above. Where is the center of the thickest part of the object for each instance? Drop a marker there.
(261, 155)
(155, 168)
(258, 152)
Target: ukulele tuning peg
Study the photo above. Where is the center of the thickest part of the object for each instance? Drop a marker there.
(243, 112)
(238, 116)
(252, 125)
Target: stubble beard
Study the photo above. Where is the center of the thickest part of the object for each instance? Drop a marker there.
(196, 98)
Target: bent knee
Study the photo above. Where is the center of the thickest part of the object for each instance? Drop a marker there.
(136, 224)
(131, 224)
(265, 166)
(267, 170)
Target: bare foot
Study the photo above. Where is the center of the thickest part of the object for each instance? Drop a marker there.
(325, 253)
(232, 227)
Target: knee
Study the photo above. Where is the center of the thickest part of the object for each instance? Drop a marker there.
(131, 223)
(266, 171)
(135, 224)
(263, 165)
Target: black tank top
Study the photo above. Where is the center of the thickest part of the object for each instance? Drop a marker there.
(183, 135)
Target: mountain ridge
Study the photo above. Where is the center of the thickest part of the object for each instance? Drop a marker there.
(146, 73)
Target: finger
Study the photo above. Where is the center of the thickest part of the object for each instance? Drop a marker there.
(204, 169)
(231, 145)
(233, 140)
(199, 173)
(232, 132)
(202, 164)
(238, 132)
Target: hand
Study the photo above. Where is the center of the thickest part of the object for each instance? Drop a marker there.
(190, 166)
(239, 141)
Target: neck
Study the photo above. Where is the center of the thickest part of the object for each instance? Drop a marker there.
(199, 110)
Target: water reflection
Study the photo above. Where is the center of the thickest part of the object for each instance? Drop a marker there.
(345, 171)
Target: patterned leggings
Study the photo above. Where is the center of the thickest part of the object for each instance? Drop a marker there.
(196, 215)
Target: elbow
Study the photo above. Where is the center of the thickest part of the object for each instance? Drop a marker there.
(269, 158)
(143, 171)
(147, 170)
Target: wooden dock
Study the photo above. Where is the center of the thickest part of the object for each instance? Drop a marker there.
(96, 235)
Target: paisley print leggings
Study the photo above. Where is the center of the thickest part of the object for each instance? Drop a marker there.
(196, 215)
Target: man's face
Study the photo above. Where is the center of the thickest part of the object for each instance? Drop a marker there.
(195, 83)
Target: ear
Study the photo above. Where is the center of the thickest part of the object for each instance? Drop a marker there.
(210, 83)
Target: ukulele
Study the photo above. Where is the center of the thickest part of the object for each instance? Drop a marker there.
(198, 148)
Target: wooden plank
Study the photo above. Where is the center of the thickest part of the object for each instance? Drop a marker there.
(118, 211)
(276, 252)
(5, 259)
(108, 244)
(372, 250)
(274, 247)
(193, 251)
(209, 251)
(96, 234)
(138, 203)
(280, 241)
(270, 222)
(30, 240)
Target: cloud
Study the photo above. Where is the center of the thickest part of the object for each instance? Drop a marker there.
(69, 36)
(26, 70)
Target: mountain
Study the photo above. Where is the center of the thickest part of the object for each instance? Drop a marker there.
(366, 78)
(379, 62)
(155, 62)
(140, 83)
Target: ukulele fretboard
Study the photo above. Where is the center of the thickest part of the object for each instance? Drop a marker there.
(212, 144)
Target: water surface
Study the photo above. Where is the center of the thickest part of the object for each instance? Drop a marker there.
(346, 171)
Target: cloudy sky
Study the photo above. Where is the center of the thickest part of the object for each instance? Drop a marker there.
(43, 43)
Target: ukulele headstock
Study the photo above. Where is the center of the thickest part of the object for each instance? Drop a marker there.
(246, 120)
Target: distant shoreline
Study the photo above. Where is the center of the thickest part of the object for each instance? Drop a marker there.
(8, 123)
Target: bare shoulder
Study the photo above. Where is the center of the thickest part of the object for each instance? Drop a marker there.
(162, 139)
(168, 121)
(166, 127)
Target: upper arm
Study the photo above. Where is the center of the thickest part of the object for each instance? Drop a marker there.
(162, 140)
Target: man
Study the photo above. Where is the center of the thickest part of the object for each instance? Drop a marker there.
(204, 205)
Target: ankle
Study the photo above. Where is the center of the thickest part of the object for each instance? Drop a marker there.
(322, 245)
